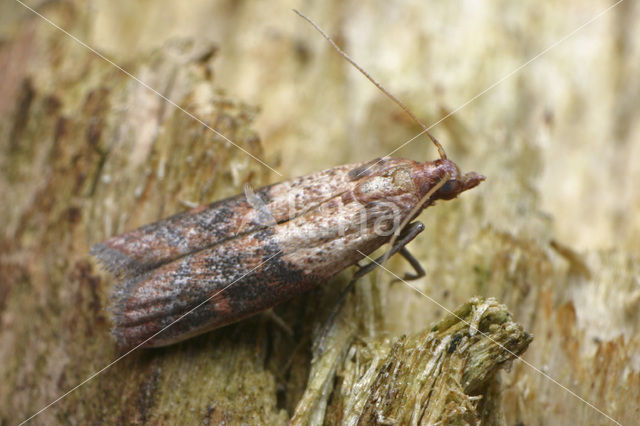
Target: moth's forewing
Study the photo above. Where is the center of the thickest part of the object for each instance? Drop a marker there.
(250, 273)
(135, 252)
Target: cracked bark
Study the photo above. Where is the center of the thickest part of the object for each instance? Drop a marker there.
(86, 153)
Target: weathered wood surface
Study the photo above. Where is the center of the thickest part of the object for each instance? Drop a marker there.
(86, 152)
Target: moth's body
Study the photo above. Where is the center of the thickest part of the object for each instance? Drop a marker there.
(324, 222)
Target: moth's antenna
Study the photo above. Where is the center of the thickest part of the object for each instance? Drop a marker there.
(443, 155)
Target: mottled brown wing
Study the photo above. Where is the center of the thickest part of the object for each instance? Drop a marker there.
(242, 276)
(135, 252)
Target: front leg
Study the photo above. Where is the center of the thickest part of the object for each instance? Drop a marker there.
(406, 236)
(415, 264)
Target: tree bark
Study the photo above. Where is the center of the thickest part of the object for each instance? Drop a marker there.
(87, 152)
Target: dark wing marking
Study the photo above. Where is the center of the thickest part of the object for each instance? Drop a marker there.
(158, 243)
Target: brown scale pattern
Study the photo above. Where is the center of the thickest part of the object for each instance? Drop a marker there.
(204, 257)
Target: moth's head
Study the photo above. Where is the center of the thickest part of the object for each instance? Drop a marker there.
(433, 172)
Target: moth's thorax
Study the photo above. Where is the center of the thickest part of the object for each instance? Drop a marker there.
(385, 185)
(407, 179)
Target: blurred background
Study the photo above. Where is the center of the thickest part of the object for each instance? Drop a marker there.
(539, 96)
(573, 102)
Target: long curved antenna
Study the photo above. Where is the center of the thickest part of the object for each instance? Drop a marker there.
(443, 154)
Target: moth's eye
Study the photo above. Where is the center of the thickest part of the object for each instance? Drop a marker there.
(449, 190)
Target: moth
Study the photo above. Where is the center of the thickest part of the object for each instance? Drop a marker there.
(220, 263)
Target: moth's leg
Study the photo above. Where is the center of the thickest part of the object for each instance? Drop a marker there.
(419, 271)
(279, 322)
(406, 236)
(412, 230)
